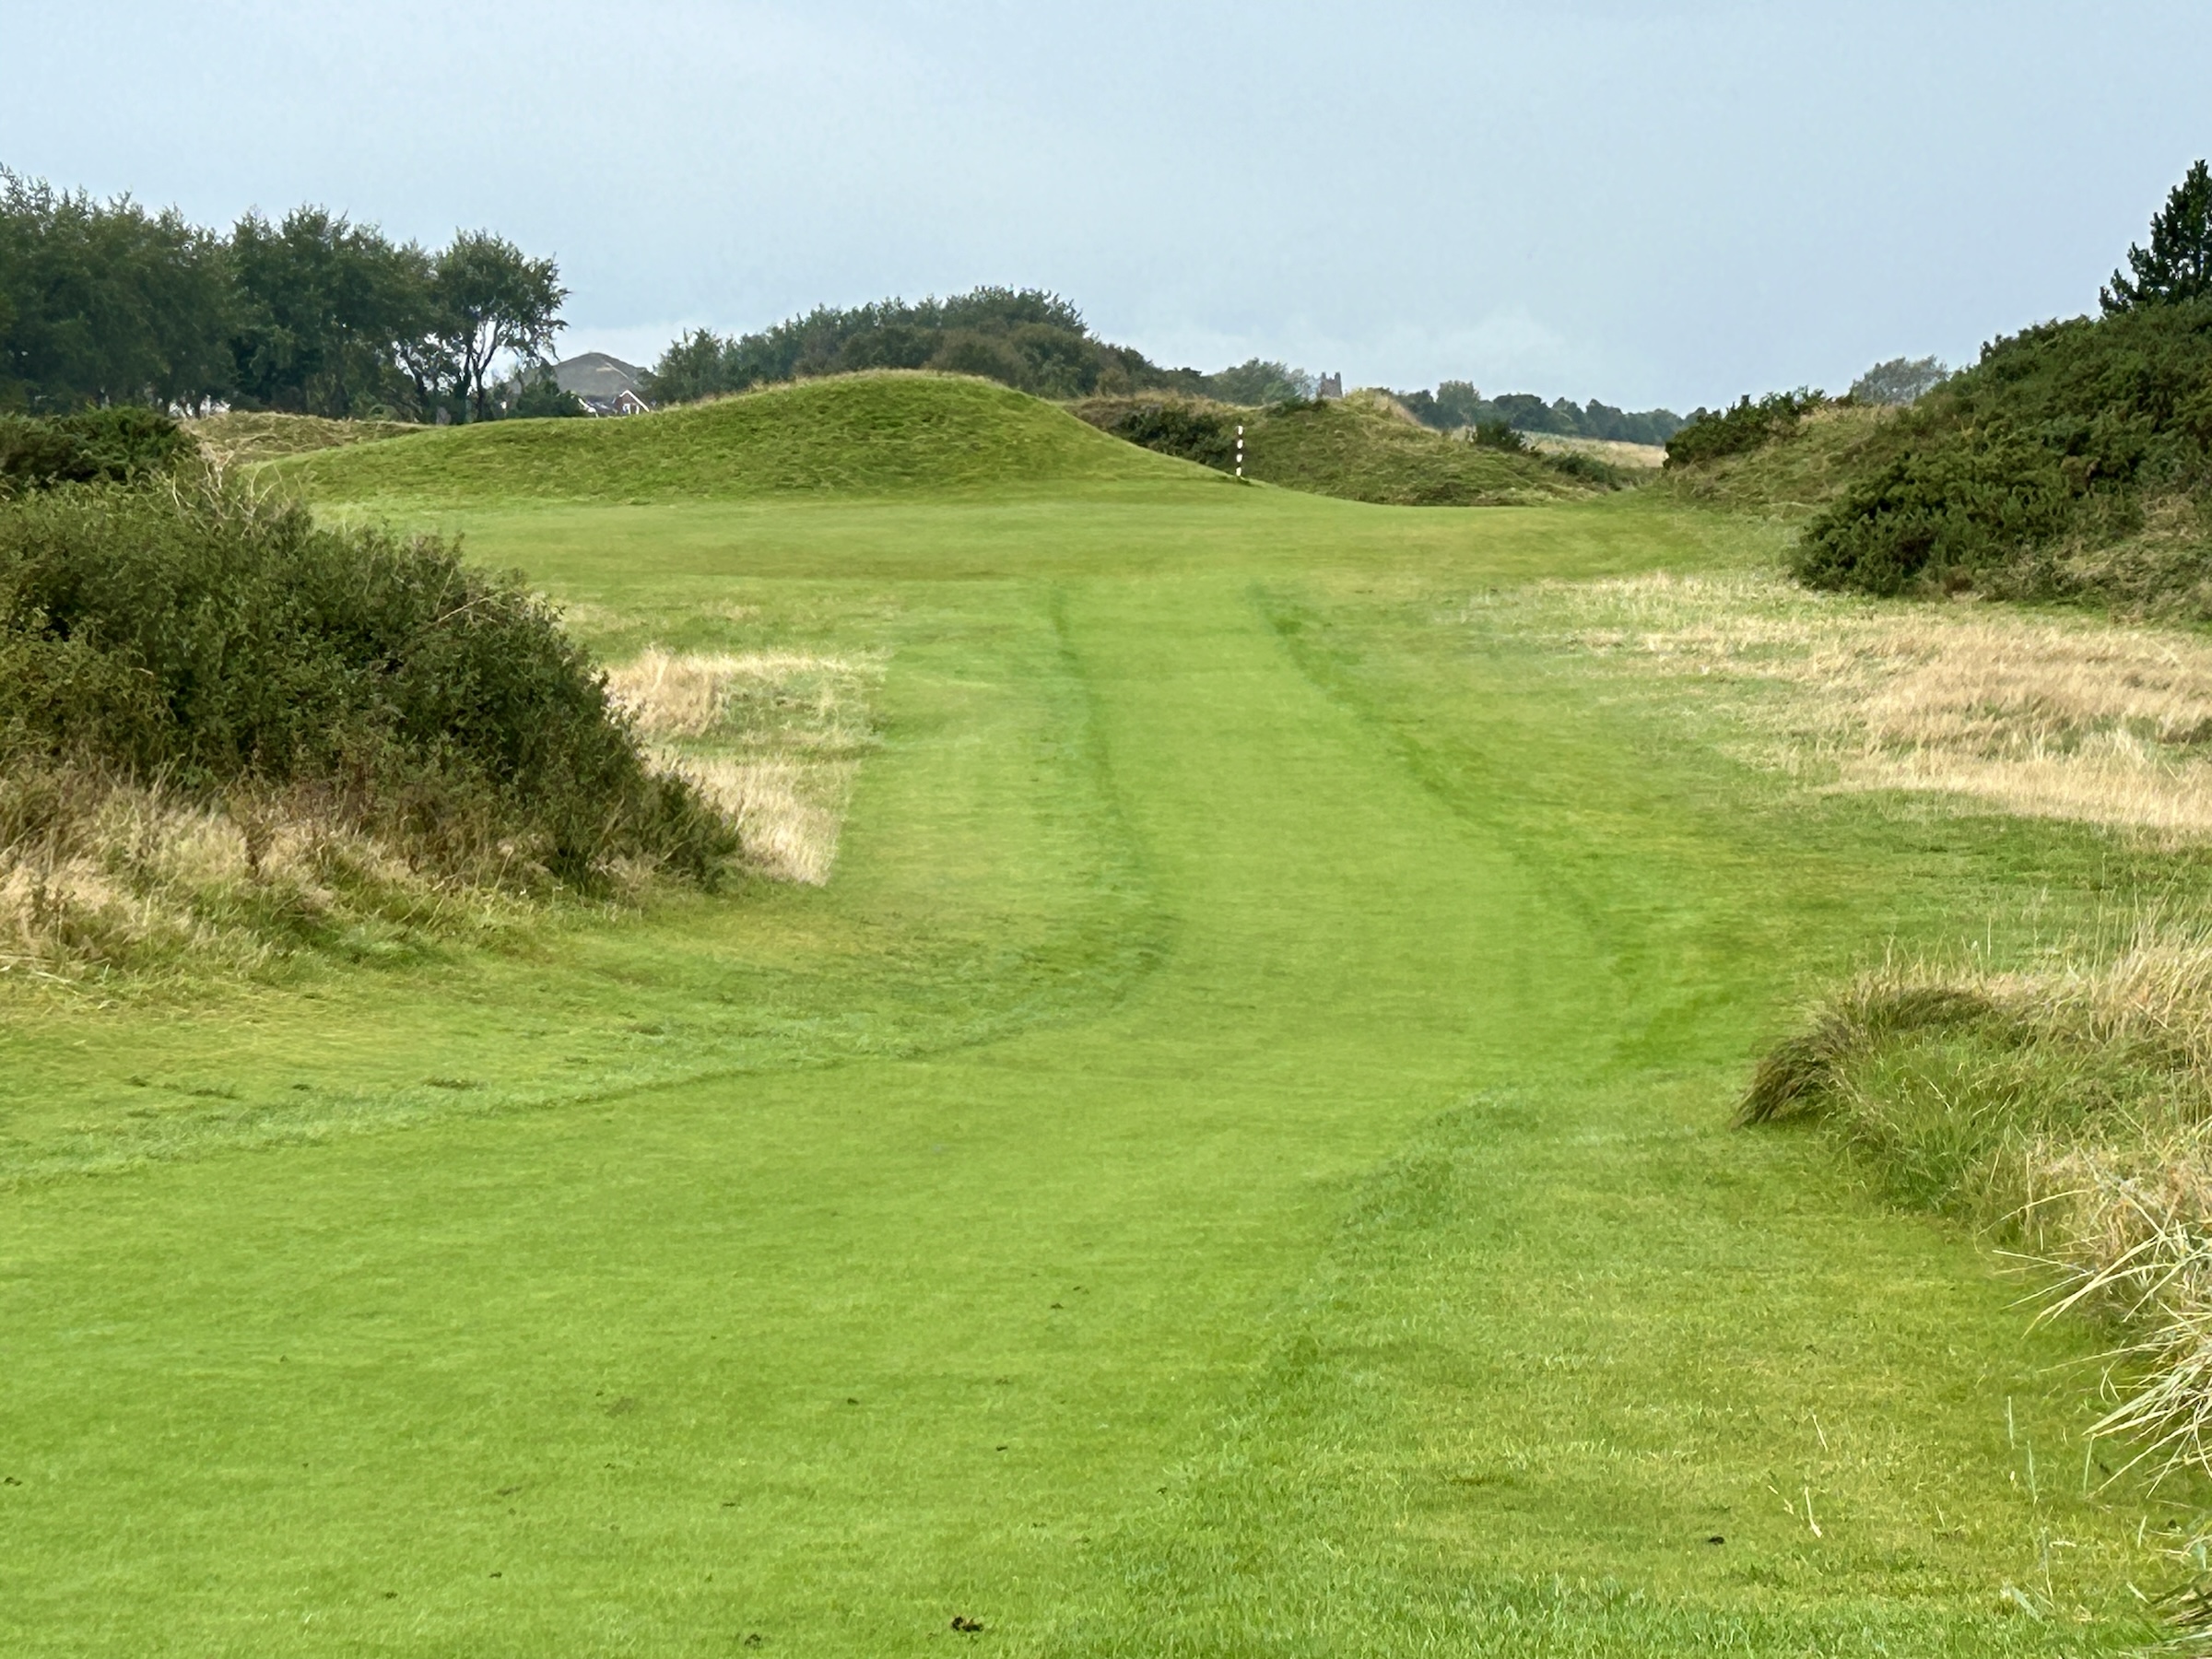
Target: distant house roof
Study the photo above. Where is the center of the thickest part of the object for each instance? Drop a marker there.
(595, 374)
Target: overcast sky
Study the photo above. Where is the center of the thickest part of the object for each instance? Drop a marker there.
(1649, 203)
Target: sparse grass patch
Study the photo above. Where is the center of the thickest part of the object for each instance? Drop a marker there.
(2039, 714)
(773, 738)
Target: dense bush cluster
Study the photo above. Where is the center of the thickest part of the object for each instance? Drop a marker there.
(1712, 434)
(2060, 433)
(1190, 430)
(218, 643)
(118, 445)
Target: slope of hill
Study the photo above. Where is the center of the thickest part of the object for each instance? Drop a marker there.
(1800, 471)
(241, 437)
(1361, 448)
(868, 435)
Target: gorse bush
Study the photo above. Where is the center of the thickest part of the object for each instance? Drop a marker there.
(1190, 430)
(224, 645)
(114, 445)
(2060, 433)
(1712, 434)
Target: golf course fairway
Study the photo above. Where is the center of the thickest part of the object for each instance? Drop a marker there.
(1235, 1161)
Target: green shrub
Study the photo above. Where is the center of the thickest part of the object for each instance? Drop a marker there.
(2059, 433)
(112, 445)
(1586, 468)
(1498, 435)
(219, 644)
(1711, 434)
(1194, 433)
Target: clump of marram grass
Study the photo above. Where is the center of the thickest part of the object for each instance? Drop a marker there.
(2068, 1112)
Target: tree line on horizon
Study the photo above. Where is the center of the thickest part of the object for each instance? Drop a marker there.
(1037, 342)
(1030, 339)
(1456, 405)
(107, 304)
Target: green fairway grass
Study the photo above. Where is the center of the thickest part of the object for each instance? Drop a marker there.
(1234, 1163)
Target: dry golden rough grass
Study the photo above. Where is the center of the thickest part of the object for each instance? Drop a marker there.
(773, 737)
(105, 874)
(239, 437)
(1613, 451)
(2041, 715)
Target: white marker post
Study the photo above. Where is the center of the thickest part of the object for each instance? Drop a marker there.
(1240, 449)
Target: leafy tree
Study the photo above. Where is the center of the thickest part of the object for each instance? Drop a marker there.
(1027, 338)
(2177, 264)
(106, 303)
(491, 301)
(325, 307)
(1898, 380)
(1256, 383)
(690, 370)
(536, 395)
(1456, 405)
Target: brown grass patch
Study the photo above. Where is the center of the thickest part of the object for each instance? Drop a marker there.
(773, 737)
(1613, 451)
(240, 438)
(103, 874)
(2039, 715)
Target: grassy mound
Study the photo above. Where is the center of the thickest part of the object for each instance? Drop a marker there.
(1361, 448)
(868, 435)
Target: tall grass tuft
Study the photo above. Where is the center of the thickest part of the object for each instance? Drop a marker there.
(2067, 1109)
